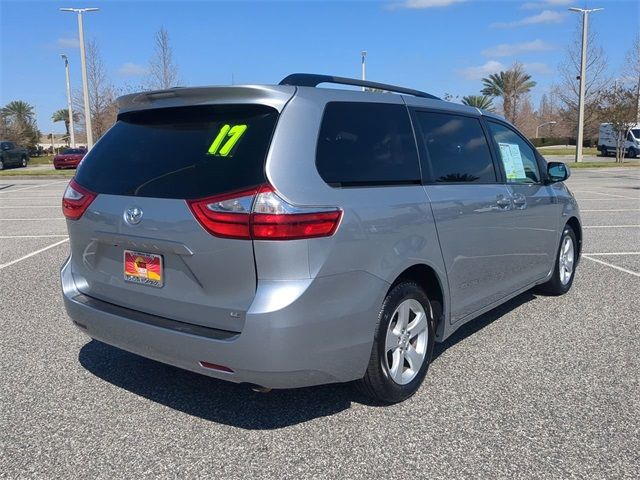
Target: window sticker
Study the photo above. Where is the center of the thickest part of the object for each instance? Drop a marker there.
(226, 139)
(512, 161)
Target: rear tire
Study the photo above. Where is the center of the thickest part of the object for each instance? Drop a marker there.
(402, 345)
(631, 153)
(565, 265)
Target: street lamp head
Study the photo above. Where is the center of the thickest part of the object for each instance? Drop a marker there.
(64, 57)
(585, 10)
(363, 53)
(79, 10)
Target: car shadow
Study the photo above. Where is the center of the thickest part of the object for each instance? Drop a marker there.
(237, 405)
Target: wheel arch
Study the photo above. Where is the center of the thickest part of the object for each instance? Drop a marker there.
(429, 280)
(574, 223)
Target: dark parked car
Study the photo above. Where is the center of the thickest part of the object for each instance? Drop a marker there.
(12, 156)
(69, 158)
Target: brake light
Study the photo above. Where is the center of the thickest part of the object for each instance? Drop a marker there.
(261, 214)
(226, 215)
(75, 200)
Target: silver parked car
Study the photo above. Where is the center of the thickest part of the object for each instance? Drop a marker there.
(290, 235)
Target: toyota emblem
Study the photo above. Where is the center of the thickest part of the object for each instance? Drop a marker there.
(133, 215)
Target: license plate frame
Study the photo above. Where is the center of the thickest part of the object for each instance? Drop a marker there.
(143, 268)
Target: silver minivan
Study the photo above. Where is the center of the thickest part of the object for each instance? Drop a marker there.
(290, 235)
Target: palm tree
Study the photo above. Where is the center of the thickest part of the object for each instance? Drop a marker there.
(510, 85)
(19, 112)
(483, 102)
(62, 115)
(19, 123)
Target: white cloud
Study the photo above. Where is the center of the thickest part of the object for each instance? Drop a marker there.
(417, 4)
(130, 69)
(510, 49)
(546, 16)
(70, 42)
(546, 4)
(481, 71)
(537, 68)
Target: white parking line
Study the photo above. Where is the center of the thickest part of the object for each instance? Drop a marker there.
(611, 226)
(631, 272)
(32, 236)
(608, 199)
(34, 186)
(607, 210)
(31, 197)
(606, 194)
(29, 255)
(613, 253)
(32, 206)
(29, 219)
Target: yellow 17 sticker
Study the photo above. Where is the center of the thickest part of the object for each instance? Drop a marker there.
(226, 139)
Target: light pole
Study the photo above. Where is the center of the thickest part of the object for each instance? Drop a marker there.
(364, 65)
(542, 125)
(83, 61)
(72, 135)
(583, 74)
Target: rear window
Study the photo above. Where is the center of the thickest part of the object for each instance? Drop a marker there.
(364, 144)
(182, 152)
(73, 151)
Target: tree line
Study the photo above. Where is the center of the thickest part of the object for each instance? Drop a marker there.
(17, 118)
(607, 100)
(506, 92)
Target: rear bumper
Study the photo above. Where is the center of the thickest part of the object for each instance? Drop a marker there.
(296, 334)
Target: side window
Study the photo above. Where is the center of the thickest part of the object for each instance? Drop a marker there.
(457, 147)
(518, 158)
(366, 144)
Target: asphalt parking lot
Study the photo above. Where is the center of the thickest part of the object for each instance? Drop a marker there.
(539, 388)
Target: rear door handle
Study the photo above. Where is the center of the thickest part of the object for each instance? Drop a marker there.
(504, 203)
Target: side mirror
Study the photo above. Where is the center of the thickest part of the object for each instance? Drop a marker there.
(557, 172)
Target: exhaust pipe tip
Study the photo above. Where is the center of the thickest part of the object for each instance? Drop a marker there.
(260, 389)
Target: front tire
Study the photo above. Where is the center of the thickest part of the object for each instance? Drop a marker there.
(402, 345)
(565, 266)
(631, 153)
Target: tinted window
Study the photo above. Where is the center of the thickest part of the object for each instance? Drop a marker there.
(457, 147)
(74, 151)
(366, 144)
(518, 158)
(184, 152)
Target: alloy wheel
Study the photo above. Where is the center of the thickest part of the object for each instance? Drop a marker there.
(566, 260)
(406, 341)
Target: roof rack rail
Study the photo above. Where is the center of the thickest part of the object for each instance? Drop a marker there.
(313, 80)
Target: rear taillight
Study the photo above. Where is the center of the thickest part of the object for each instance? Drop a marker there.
(225, 215)
(261, 214)
(75, 200)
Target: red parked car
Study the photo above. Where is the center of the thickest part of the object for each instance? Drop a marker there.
(69, 158)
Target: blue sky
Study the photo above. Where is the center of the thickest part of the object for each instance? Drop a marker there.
(434, 45)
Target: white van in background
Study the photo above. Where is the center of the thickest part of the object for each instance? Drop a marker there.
(607, 140)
